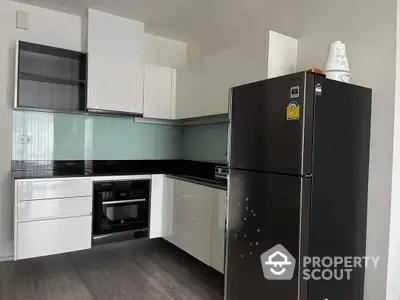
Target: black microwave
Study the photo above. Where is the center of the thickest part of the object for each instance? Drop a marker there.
(121, 206)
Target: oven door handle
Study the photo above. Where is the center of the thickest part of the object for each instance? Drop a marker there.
(124, 201)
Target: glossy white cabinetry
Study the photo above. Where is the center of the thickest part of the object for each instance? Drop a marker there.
(217, 70)
(282, 54)
(158, 93)
(194, 220)
(54, 208)
(52, 216)
(161, 206)
(189, 91)
(218, 231)
(115, 63)
(49, 237)
(54, 188)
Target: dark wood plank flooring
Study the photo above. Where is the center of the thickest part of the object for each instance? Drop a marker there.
(134, 270)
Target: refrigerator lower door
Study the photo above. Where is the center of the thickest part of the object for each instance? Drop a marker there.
(265, 210)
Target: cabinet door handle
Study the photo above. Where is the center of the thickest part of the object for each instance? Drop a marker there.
(125, 201)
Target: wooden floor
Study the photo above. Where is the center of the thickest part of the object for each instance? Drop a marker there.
(135, 270)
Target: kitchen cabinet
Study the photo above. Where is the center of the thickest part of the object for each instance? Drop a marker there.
(218, 231)
(159, 96)
(189, 91)
(217, 70)
(203, 87)
(192, 219)
(47, 237)
(196, 221)
(52, 216)
(161, 206)
(49, 78)
(115, 64)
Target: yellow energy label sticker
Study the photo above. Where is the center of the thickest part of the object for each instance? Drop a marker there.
(293, 111)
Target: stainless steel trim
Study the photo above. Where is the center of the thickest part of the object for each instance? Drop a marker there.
(16, 83)
(125, 201)
(113, 112)
(226, 236)
(121, 233)
(303, 121)
(228, 156)
(300, 239)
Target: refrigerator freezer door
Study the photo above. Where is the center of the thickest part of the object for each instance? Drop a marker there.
(271, 124)
(265, 210)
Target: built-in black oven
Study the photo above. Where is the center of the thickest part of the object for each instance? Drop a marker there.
(120, 206)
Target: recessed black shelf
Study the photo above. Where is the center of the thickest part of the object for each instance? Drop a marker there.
(48, 79)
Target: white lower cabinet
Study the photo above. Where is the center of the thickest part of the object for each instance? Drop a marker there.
(40, 238)
(161, 206)
(198, 222)
(52, 216)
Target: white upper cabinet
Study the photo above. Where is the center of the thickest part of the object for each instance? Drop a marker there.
(203, 86)
(189, 91)
(158, 95)
(115, 63)
(282, 54)
(217, 70)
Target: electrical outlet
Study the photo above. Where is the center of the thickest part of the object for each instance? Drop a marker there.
(22, 20)
(28, 139)
(24, 139)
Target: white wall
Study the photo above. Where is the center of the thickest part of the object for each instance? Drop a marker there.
(368, 29)
(45, 27)
(393, 274)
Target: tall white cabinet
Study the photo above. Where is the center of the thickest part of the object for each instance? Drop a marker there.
(159, 92)
(115, 63)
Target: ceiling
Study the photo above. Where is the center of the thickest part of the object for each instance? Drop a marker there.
(194, 21)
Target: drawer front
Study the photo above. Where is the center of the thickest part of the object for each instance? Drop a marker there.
(53, 208)
(41, 238)
(47, 189)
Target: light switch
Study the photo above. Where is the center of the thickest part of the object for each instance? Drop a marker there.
(22, 20)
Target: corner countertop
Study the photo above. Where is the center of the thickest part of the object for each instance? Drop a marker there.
(187, 170)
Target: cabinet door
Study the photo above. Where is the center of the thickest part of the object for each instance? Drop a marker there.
(161, 208)
(115, 63)
(157, 92)
(190, 91)
(217, 80)
(218, 231)
(41, 238)
(192, 219)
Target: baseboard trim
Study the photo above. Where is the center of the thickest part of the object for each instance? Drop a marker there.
(6, 258)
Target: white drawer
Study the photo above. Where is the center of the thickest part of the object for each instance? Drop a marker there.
(53, 208)
(54, 188)
(49, 237)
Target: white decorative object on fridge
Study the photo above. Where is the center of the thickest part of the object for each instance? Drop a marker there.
(337, 65)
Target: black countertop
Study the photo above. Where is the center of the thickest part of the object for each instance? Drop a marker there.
(192, 171)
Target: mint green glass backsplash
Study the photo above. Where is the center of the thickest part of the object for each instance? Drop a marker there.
(206, 142)
(75, 137)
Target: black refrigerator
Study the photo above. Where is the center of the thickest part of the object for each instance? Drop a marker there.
(298, 156)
